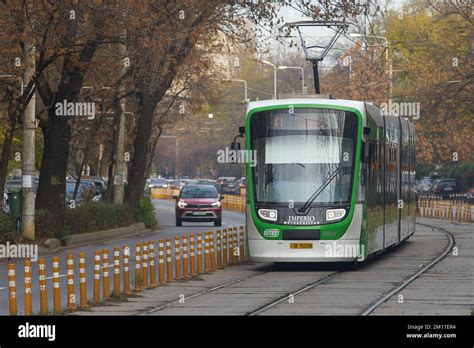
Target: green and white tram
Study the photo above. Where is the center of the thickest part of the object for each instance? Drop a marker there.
(333, 180)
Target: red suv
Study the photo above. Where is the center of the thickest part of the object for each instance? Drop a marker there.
(198, 203)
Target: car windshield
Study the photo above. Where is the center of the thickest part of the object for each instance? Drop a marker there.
(70, 190)
(157, 181)
(446, 183)
(198, 192)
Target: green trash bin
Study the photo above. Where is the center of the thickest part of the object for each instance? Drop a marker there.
(14, 200)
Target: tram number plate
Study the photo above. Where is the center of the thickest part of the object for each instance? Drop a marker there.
(301, 245)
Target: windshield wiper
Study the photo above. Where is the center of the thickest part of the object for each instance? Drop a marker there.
(319, 190)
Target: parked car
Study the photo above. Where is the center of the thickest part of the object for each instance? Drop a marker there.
(173, 184)
(469, 195)
(99, 181)
(444, 187)
(243, 182)
(198, 203)
(206, 182)
(157, 183)
(86, 192)
(424, 185)
(228, 185)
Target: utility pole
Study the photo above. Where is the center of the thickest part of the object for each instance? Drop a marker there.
(28, 152)
(119, 176)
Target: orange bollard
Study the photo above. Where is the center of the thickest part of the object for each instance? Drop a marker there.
(185, 257)
(192, 255)
(199, 253)
(28, 296)
(242, 246)
(42, 286)
(207, 257)
(145, 266)
(105, 274)
(138, 259)
(96, 294)
(219, 249)
(151, 263)
(82, 280)
(71, 298)
(212, 251)
(126, 270)
(230, 247)
(169, 262)
(177, 257)
(235, 250)
(12, 289)
(224, 248)
(116, 271)
(56, 289)
(161, 261)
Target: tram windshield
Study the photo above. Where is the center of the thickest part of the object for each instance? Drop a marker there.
(298, 151)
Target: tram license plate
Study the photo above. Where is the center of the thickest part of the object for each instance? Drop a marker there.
(301, 245)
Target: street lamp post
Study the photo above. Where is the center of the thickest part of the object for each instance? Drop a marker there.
(283, 67)
(388, 61)
(274, 77)
(245, 88)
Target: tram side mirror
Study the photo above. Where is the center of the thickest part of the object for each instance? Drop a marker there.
(366, 152)
(235, 146)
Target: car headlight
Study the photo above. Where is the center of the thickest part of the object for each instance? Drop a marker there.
(181, 204)
(335, 214)
(217, 204)
(268, 214)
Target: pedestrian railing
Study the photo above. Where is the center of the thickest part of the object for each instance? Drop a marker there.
(215, 250)
(454, 208)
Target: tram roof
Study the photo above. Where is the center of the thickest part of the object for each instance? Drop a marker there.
(360, 105)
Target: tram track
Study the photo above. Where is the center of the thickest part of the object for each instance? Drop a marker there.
(294, 293)
(322, 279)
(451, 243)
(207, 291)
(374, 305)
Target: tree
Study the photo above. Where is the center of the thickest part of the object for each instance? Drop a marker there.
(431, 45)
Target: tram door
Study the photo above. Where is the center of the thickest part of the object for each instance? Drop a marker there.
(404, 179)
(392, 182)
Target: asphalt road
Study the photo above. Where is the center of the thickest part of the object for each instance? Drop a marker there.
(166, 229)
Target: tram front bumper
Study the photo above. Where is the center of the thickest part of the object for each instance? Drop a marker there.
(347, 250)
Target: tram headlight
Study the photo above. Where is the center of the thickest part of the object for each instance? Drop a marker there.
(335, 214)
(268, 214)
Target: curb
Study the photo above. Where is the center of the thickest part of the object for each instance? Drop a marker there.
(127, 231)
(134, 230)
